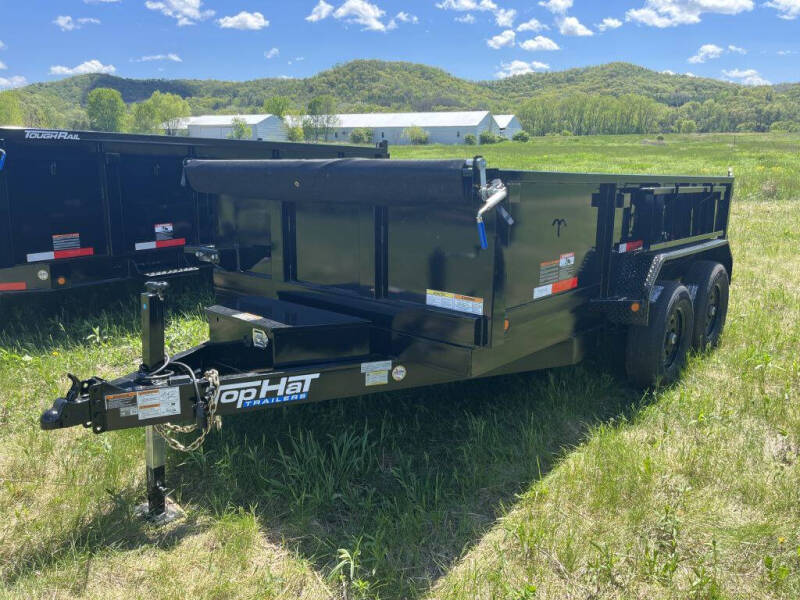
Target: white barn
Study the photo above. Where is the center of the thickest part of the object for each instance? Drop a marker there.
(442, 127)
(264, 127)
(507, 125)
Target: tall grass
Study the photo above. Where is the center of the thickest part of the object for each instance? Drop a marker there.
(559, 484)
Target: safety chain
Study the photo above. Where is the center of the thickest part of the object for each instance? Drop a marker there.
(212, 398)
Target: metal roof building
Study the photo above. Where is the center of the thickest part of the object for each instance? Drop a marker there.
(507, 125)
(442, 127)
(264, 127)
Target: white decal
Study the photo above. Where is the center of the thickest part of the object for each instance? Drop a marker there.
(44, 134)
(262, 392)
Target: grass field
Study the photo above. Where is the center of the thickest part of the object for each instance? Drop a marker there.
(563, 484)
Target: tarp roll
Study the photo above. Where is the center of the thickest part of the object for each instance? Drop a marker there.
(362, 180)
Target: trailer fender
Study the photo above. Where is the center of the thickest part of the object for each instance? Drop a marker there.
(635, 276)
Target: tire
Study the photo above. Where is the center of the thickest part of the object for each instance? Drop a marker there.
(656, 354)
(710, 302)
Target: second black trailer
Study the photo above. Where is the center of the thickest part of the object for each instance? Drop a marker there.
(79, 208)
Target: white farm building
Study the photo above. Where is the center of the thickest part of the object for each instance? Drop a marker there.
(442, 127)
(264, 127)
(507, 125)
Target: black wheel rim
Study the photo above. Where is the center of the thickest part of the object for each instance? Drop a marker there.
(673, 337)
(712, 310)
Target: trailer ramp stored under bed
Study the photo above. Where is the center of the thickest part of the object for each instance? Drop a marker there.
(340, 277)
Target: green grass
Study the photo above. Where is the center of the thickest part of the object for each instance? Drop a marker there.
(562, 484)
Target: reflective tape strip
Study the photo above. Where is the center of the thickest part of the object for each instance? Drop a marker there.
(58, 254)
(160, 244)
(555, 288)
(630, 246)
(14, 286)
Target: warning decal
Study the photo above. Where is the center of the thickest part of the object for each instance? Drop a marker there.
(451, 301)
(161, 402)
(556, 276)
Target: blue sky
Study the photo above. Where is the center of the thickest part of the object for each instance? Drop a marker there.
(748, 41)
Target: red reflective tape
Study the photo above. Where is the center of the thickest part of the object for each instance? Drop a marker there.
(634, 245)
(73, 253)
(170, 243)
(566, 284)
(15, 286)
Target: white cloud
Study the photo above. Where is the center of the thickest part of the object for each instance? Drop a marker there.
(465, 5)
(172, 57)
(271, 53)
(321, 11)
(780, 52)
(2, 45)
(690, 74)
(532, 25)
(405, 17)
(520, 67)
(539, 43)
(668, 72)
(670, 13)
(558, 7)
(501, 40)
(12, 82)
(67, 23)
(706, 52)
(787, 9)
(244, 20)
(361, 13)
(2, 65)
(90, 66)
(609, 23)
(505, 17)
(571, 26)
(186, 12)
(746, 76)
(712, 51)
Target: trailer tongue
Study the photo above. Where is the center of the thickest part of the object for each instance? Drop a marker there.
(336, 278)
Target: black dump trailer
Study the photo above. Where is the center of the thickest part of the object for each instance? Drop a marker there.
(79, 208)
(336, 278)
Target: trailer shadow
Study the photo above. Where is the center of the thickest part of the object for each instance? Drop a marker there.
(405, 482)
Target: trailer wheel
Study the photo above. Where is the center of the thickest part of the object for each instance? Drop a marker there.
(710, 302)
(656, 353)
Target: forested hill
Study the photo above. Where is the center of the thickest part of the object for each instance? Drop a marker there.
(675, 101)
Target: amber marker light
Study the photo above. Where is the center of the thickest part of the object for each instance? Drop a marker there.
(61, 280)
(635, 307)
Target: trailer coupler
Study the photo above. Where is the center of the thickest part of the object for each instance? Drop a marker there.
(71, 410)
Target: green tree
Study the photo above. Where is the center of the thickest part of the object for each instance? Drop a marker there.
(280, 106)
(106, 110)
(416, 136)
(488, 137)
(240, 130)
(521, 136)
(470, 139)
(145, 118)
(362, 135)
(170, 110)
(10, 109)
(321, 119)
(295, 133)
